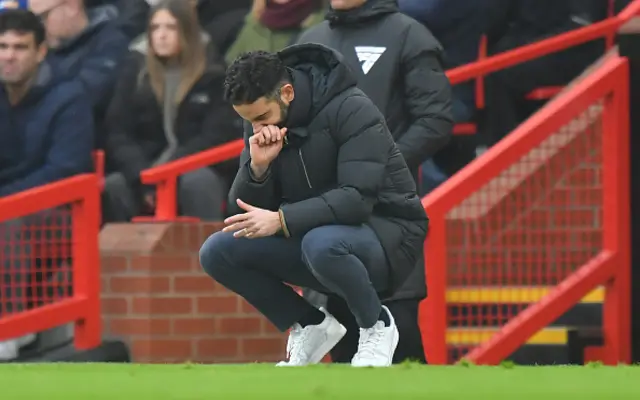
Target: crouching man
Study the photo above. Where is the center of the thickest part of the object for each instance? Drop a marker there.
(328, 202)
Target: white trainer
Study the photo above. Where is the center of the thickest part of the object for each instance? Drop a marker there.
(377, 344)
(310, 344)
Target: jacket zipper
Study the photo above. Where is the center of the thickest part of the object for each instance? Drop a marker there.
(304, 168)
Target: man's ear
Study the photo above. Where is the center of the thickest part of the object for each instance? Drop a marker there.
(42, 52)
(287, 93)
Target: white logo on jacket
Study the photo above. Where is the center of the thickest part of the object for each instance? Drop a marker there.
(368, 56)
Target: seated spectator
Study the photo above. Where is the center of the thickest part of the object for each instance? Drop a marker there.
(221, 19)
(47, 135)
(524, 22)
(274, 24)
(459, 26)
(168, 104)
(88, 45)
(132, 15)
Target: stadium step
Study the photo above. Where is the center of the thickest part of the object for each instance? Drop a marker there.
(476, 313)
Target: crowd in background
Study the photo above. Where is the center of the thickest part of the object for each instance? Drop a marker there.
(143, 80)
(154, 104)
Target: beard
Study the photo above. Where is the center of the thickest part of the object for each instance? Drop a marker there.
(284, 111)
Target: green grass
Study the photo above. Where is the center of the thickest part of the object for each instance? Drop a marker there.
(254, 381)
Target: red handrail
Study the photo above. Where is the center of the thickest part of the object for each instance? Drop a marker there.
(82, 192)
(504, 154)
(560, 42)
(166, 176)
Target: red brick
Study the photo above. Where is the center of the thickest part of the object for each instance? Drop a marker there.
(187, 236)
(162, 263)
(575, 218)
(104, 284)
(240, 325)
(193, 284)
(140, 284)
(268, 328)
(162, 348)
(114, 305)
(247, 308)
(140, 326)
(583, 177)
(263, 346)
(162, 305)
(194, 326)
(214, 348)
(112, 264)
(228, 304)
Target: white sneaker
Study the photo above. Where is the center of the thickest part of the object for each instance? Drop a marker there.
(377, 344)
(310, 344)
(10, 349)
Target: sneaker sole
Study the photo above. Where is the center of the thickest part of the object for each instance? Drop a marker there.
(334, 334)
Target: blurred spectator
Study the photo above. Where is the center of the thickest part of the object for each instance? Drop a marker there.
(87, 45)
(401, 71)
(274, 24)
(222, 19)
(459, 26)
(168, 104)
(46, 124)
(523, 22)
(132, 16)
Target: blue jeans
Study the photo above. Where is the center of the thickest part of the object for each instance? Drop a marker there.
(347, 261)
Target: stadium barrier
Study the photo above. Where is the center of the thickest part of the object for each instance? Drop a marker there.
(541, 218)
(49, 260)
(165, 177)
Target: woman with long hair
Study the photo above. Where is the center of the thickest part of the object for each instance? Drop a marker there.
(168, 104)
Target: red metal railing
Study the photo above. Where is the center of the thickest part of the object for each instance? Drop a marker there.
(604, 29)
(50, 262)
(166, 176)
(543, 215)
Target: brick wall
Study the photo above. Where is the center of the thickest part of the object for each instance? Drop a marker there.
(537, 221)
(157, 299)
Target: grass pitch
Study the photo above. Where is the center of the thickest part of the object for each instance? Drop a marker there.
(255, 381)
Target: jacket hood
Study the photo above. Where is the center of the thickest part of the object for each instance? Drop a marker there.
(98, 17)
(371, 9)
(328, 73)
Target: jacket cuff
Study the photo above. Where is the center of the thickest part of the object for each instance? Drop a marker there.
(283, 224)
(254, 178)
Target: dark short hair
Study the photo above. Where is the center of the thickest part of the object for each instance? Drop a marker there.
(23, 22)
(253, 75)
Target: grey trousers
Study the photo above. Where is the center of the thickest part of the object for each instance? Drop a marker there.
(347, 261)
(201, 194)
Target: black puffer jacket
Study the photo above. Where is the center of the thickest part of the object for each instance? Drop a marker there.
(397, 63)
(340, 165)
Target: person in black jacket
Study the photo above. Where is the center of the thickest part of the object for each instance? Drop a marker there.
(329, 203)
(168, 104)
(398, 64)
